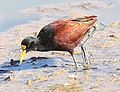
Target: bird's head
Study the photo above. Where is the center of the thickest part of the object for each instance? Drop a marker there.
(27, 44)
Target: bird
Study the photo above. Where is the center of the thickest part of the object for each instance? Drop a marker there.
(61, 35)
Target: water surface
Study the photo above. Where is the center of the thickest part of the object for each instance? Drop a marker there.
(10, 15)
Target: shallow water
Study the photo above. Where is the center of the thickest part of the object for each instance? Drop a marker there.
(10, 15)
(10, 12)
(110, 15)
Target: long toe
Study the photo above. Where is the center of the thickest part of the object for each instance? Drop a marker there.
(86, 66)
(76, 67)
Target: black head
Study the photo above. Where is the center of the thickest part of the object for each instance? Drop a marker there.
(29, 43)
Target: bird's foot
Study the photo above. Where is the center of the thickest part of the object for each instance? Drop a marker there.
(76, 68)
(86, 66)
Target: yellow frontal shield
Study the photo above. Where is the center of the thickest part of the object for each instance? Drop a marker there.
(23, 53)
(23, 47)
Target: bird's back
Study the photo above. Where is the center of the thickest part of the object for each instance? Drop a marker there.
(64, 34)
(68, 34)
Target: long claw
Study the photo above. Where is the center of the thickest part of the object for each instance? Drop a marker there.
(86, 66)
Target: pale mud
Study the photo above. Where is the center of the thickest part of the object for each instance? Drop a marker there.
(54, 71)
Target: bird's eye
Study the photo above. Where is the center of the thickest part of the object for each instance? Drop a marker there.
(23, 47)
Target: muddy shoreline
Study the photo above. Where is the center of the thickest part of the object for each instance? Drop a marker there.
(54, 71)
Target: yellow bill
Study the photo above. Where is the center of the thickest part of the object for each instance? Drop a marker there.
(23, 55)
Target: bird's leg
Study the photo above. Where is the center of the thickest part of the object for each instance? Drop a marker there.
(89, 34)
(85, 59)
(76, 66)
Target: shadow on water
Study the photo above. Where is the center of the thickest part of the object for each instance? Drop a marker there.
(34, 62)
(31, 63)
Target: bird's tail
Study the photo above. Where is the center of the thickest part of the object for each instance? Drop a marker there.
(90, 20)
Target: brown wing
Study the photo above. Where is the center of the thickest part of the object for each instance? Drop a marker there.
(68, 33)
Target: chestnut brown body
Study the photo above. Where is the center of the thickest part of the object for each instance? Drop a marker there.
(65, 34)
(60, 35)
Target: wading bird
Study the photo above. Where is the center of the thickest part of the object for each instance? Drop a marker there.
(61, 35)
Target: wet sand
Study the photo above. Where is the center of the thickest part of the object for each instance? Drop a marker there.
(54, 71)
